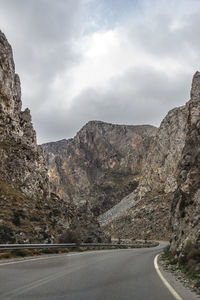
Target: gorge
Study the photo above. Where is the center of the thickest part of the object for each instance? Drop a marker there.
(124, 181)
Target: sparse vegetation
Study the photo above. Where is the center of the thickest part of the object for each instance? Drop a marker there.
(9, 144)
(188, 262)
(7, 189)
(31, 252)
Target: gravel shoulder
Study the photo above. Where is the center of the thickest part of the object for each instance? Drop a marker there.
(183, 286)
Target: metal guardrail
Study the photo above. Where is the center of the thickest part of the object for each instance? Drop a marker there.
(72, 245)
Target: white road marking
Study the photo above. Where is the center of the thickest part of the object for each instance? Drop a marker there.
(166, 283)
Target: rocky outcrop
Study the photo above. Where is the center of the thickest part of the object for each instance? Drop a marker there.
(133, 178)
(121, 170)
(169, 188)
(159, 172)
(22, 162)
(185, 212)
(152, 199)
(100, 165)
(30, 211)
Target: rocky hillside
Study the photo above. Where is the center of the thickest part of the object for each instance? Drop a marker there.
(149, 205)
(133, 178)
(29, 212)
(185, 212)
(124, 172)
(100, 165)
(127, 174)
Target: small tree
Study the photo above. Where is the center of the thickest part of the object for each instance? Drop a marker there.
(16, 219)
(70, 237)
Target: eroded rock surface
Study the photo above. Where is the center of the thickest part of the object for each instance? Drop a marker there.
(101, 165)
(113, 167)
(133, 178)
(148, 207)
(185, 213)
(30, 211)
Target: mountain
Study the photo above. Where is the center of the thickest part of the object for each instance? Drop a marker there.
(30, 211)
(100, 165)
(126, 173)
(185, 210)
(119, 180)
(141, 214)
(166, 202)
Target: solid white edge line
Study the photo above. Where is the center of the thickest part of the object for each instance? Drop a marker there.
(166, 283)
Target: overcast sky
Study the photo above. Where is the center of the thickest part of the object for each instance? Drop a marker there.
(119, 61)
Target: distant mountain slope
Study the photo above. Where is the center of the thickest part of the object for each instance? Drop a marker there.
(100, 165)
(114, 167)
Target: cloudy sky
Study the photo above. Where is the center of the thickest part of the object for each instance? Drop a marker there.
(119, 61)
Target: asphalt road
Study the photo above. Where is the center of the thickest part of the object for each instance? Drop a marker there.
(106, 275)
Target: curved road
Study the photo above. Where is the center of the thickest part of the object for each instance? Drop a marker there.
(110, 274)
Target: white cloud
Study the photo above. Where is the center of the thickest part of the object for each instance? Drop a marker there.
(119, 61)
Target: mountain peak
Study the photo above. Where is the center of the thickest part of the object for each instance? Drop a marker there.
(195, 91)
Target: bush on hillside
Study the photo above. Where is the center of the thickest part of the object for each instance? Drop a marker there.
(70, 237)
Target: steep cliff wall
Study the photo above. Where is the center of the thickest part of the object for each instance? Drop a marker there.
(185, 212)
(29, 211)
(145, 213)
(124, 172)
(101, 165)
(159, 172)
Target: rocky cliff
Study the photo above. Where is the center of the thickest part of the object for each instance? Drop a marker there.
(124, 172)
(100, 165)
(145, 213)
(30, 211)
(185, 212)
(133, 178)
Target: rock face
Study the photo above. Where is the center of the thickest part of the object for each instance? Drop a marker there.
(149, 205)
(124, 172)
(30, 211)
(22, 162)
(145, 218)
(101, 165)
(159, 172)
(133, 178)
(185, 212)
(169, 187)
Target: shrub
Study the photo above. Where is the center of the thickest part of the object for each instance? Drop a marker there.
(16, 219)
(70, 237)
(167, 255)
(89, 240)
(7, 235)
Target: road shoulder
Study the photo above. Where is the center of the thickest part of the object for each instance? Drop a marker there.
(183, 292)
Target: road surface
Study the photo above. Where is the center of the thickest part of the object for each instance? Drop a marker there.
(95, 275)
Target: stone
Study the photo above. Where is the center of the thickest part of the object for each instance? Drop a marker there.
(185, 213)
(100, 165)
(30, 211)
